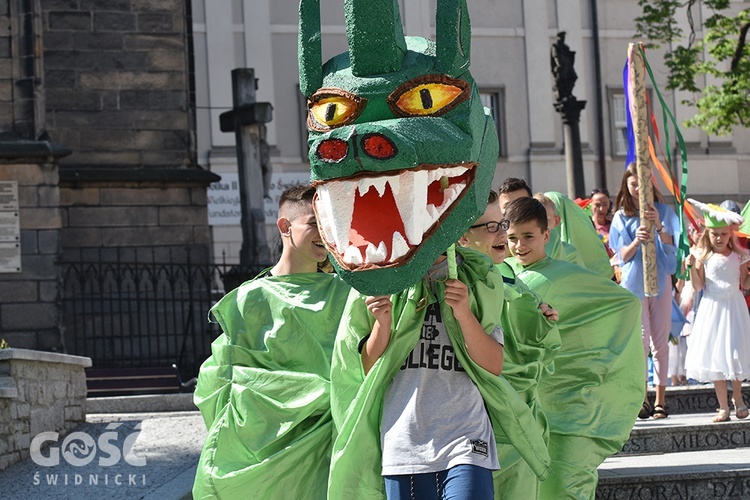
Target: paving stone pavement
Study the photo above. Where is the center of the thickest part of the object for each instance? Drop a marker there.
(685, 456)
(165, 451)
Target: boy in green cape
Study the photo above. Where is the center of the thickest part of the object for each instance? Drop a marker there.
(531, 343)
(264, 393)
(576, 229)
(594, 395)
(556, 247)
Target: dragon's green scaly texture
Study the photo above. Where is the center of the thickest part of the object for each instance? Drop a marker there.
(388, 121)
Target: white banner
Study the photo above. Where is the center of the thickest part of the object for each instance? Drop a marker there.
(224, 197)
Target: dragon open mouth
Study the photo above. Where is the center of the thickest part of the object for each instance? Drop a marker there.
(379, 221)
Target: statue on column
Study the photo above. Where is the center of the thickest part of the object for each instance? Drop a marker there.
(561, 60)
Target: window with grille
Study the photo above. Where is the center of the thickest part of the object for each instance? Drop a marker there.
(494, 99)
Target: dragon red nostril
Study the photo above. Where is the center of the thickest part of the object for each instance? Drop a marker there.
(378, 146)
(332, 150)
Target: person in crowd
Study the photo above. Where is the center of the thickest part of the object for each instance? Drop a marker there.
(601, 215)
(626, 235)
(556, 247)
(265, 440)
(531, 342)
(512, 188)
(687, 299)
(576, 229)
(416, 392)
(593, 397)
(719, 349)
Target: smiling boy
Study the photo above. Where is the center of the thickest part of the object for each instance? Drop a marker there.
(531, 343)
(594, 395)
(264, 393)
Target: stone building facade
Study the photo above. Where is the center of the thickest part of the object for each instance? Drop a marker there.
(97, 131)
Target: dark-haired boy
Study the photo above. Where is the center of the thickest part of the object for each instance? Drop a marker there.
(594, 395)
(531, 342)
(511, 189)
(264, 392)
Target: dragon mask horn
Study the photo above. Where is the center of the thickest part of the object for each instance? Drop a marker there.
(453, 37)
(309, 47)
(375, 35)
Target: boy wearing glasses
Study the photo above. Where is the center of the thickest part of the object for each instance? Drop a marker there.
(440, 430)
(531, 342)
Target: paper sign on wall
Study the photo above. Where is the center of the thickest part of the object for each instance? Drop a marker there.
(224, 197)
(10, 228)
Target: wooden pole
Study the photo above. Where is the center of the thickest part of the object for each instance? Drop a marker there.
(638, 112)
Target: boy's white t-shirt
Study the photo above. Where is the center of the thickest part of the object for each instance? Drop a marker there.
(434, 417)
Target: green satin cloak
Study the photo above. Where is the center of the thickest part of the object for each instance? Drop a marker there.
(264, 392)
(561, 250)
(593, 398)
(577, 229)
(531, 343)
(357, 400)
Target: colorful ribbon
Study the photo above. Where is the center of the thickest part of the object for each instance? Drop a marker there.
(683, 245)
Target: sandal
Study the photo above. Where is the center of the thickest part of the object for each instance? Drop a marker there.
(646, 411)
(723, 416)
(660, 412)
(741, 411)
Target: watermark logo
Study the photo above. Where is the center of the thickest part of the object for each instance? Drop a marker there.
(80, 449)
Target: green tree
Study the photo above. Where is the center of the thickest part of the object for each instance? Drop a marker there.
(722, 53)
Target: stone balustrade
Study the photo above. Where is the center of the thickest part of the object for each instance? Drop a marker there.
(39, 391)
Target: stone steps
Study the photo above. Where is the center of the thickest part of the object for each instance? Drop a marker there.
(683, 433)
(686, 475)
(685, 456)
(695, 398)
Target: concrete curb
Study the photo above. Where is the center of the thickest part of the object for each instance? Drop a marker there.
(149, 403)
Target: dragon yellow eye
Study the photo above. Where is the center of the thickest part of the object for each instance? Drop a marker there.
(428, 95)
(330, 108)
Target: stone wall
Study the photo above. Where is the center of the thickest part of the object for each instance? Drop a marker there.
(116, 82)
(39, 392)
(165, 217)
(29, 314)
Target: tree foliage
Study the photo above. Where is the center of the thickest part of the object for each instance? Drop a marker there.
(722, 54)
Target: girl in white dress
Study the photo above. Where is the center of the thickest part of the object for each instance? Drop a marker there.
(719, 346)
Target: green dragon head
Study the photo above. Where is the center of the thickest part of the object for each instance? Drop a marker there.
(402, 152)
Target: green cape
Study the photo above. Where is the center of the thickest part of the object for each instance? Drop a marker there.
(599, 381)
(531, 343)
(577, 229)
(561, 250)
(357, 400)
(264, 393)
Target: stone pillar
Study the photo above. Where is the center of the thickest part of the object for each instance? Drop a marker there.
(571, 113)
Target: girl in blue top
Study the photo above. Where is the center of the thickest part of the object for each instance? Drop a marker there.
(625, 237)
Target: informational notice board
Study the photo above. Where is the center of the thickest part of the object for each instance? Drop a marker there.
(224, 197)
(10, 228)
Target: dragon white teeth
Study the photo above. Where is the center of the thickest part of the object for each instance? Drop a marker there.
(433, 212)
(378, 183)
(399, 247)
(395, 184)
(353, 256)
(411, 202)
(450, 195)
(376, 255)
(343, 193)
(325, 226)
(409, 189)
